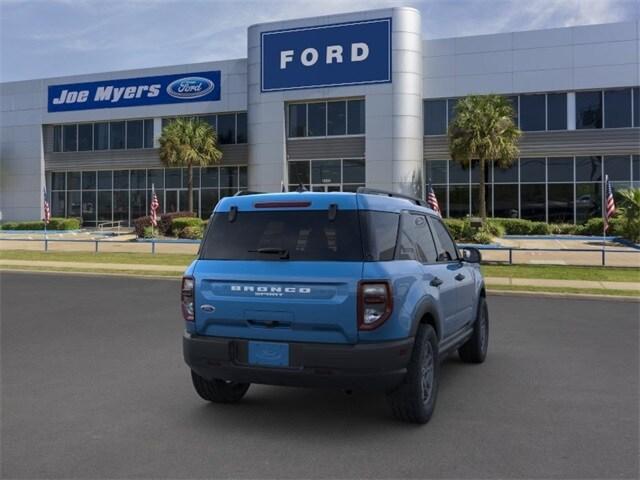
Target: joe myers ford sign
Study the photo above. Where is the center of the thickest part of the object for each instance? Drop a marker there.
(352, 53)
(133, 92)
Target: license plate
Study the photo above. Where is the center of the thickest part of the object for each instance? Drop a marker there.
(269, 354)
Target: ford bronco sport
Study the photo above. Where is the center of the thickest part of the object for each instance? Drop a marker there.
(361, 290)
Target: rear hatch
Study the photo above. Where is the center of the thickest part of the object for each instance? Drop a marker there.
(281, 270)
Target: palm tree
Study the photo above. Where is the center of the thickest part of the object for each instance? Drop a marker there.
(189, 142)
(629, 210)
(484, 129)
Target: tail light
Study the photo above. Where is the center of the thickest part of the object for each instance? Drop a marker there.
(186, 298)
(375, 304)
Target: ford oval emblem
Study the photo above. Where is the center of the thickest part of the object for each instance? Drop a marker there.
(190, 87)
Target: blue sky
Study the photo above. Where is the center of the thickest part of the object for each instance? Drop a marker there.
(45, 38)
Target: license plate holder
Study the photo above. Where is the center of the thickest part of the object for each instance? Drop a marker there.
(268, 354)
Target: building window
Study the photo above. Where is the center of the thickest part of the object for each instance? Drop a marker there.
(355, 117)
(533, 170)
(101, 136)
(533, 112)
(57, 138)
(121, 179)
(105, 180)
(89, 180)
(636, 107)
(560, 202)
(85, 137)
(57, 181)
(435, 117)
(588, 169)
(506, 175)
(505, 201)
(336, 118)
(475, 199)
(560, 169)
(588, 201)
(618, 167)
(327, 175)
(70, 138)
(458, 173)
(617, 108)
(458, 200)
(117, 135)
(436, 171)
(73, 180)
(135, 133)
(317, 119)
(227, 128)
(298, 120)
(588, 110)
(241, 128)
(321, 119)
(635, 162)
(148, 133)
(556, 111)
(533, 201)
(452, 103)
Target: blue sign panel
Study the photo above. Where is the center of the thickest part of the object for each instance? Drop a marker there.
(135, 92)
(352, 53)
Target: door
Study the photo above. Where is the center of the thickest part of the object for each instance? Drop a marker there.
(416, 243)
(463, 275)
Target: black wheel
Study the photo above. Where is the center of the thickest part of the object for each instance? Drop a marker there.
(474, 350)
(415, 399)
(218, 391)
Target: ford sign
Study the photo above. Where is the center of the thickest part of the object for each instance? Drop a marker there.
(353, 53)
(190, 87)
(134, 92)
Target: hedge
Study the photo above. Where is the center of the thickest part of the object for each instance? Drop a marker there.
(164, 225)
(139, 224)
(191, 232)
(55, 223)
(181, 223)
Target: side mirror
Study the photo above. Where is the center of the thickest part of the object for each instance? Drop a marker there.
(471, 255)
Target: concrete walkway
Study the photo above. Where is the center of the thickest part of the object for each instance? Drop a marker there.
(178, 269)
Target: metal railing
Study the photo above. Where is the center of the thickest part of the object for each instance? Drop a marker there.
(115, 224)
(510, 251)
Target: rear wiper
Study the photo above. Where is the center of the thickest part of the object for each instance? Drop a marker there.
(284, 253)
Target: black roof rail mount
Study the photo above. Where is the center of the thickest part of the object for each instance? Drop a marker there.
(387, 193)
(241, 193)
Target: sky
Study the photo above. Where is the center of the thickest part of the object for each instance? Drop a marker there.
(48, 38)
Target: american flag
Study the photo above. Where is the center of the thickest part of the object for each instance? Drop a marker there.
(609, 203)
(154, 206)
(47, 210)
(432, 201)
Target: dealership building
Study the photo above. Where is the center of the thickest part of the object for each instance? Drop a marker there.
(335, 103)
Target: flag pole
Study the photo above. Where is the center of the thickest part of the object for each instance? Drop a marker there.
(604, 216)
(153, 192)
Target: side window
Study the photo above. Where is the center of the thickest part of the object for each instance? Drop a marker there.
(446, 248)
(416, 242)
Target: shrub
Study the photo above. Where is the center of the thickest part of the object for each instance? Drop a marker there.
(56, 223)
(148, 232)
(455, 226)
(520, 226)
(562, 228)
(191, 232)
(494, 228)
(9, 226)
(139, 224)
(35, 225)
(164, 225)
(482, 235)
(179, 224)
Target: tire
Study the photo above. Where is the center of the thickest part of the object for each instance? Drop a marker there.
(415, 399)
(218, 391)
(475, 349)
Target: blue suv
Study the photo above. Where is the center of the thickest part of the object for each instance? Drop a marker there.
(361, 290)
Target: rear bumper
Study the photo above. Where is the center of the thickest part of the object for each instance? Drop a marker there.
(363, 367)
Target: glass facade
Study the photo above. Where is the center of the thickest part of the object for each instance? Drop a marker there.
(110, 195)
(95, 136)
(230, 127)
(334, 175)
(552, 189)
(326, 119)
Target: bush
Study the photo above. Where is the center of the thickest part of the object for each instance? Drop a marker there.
(563, 228)
(519, 226)
(455, 226)
(191, 232)
(494, 228)
(56, 223)
(139, 224)
(482, 235)
(164, 225)
(148, 232)
(9, 226)
(35, 225)
(179, 224)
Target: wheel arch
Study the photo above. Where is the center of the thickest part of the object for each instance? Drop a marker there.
(428, 314)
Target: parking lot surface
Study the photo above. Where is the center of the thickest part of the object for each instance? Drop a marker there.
(94, 386)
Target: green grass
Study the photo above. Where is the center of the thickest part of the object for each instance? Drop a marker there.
(108, 271)
(563, 272)
(583, 291)
(173, 259)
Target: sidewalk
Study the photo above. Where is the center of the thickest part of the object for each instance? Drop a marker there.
(149, 269)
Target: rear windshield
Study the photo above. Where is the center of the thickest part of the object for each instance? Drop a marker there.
(276, 235)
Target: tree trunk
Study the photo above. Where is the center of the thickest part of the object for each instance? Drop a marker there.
(483, 201)
(190, 186)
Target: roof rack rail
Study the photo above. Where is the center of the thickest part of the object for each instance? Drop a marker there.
(375, 191)
(241, 193)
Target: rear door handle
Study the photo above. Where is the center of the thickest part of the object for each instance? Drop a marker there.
(436, 282)
(459, 277)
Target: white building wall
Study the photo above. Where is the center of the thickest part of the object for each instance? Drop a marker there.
(559, 59)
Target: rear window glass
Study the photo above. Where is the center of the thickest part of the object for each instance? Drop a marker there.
(303, 235)
(381, 231)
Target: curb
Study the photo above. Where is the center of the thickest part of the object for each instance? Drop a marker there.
(572, 296)
(91, 274)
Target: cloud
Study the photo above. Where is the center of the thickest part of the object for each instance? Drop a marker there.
(62, 37)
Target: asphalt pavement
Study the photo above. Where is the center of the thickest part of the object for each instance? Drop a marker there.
(94, 386)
